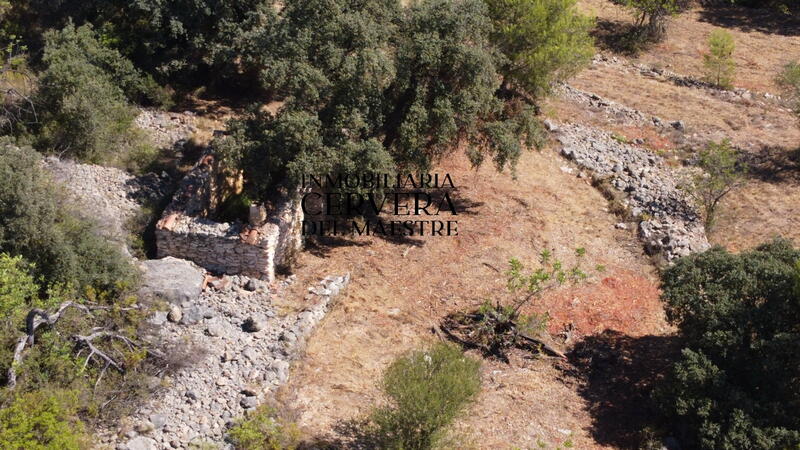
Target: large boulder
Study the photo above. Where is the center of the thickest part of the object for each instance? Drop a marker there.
(172, 279)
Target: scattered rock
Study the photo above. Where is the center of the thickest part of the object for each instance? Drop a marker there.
(214, 330)
(158, 420)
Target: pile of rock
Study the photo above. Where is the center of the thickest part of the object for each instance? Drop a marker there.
(243, 347)
(617, 113)
(166, 128)
(669, 224)
(108, 196)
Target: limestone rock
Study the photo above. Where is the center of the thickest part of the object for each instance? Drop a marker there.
(175, 280)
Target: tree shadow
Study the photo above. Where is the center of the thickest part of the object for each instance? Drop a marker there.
(620, 37)
(322, 246)
(774, 164)
(349, 434)
(617, 375)
(764, 20)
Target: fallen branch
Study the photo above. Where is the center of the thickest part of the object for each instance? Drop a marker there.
(544, 345)
(37, 318)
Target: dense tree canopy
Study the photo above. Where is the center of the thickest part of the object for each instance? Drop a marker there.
(169, 39)
(372, 86)
(736, 384)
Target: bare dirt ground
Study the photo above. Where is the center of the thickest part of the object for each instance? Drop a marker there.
(400, 288)
(393, 301)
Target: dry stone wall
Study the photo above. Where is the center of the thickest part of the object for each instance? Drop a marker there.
(668, 223)
(255, 250)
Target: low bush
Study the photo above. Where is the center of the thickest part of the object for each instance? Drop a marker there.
(789, 80)
(496, 327)
(263, 429)
(735, 384)
(36, 224)
(721, 173)
(42, 420)
(426, 390)
(83, 109)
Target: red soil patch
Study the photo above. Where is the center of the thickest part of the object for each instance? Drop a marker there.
(623, 300)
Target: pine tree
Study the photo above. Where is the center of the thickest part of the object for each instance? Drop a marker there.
(719, 62)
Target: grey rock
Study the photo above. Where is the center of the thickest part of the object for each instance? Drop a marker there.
(158, 318)
(192, 315)
(158, 420)
(214, 330)
(175, 314)
(249, 402)
(175, 280)
(250, 285)
(678, 125)
(141, 443)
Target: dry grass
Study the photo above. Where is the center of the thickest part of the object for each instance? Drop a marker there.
(393, 300)
(760, 53)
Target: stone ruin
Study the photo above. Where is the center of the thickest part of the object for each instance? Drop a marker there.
(187, 229)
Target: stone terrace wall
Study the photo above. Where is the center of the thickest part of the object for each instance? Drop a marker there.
(185, 232)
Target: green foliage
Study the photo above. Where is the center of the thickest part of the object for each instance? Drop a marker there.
(426, 390)
(81, 97)
(17, 287)
(651, 16)
(42, 420)
(496, 327)
(735, 384)
(34, 224)
(372, 87)
(171, 40)
(721, 173)
(789, 80)
(543, 41)
(264, 429)
(719, 64)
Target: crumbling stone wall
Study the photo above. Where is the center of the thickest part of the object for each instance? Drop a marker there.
(253, 249)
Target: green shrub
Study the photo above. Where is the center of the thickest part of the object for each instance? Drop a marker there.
(543, 40)
(735, 385)
(651, 16)
(718, 62)
(721, 173)
(82, 101)
(264, 430)
(35, 223)
(42, 420)
(789, 80)
(426, 390)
